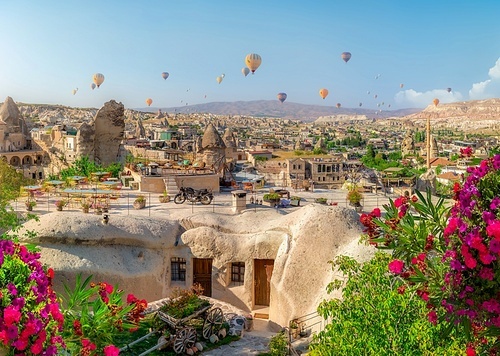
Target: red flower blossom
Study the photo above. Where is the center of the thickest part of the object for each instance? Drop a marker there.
(111, 350)
(376, 213)
(493, 229)
(432, 316)
(396, 266)
(470, 351)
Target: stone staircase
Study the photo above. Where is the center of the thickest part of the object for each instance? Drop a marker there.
(171, 185)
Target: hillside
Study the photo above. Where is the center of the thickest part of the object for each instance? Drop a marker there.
(273, 108)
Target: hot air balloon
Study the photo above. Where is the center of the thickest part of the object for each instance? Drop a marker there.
(375, 96)
(282, 97)
(448, 90)
(389, 105)
(401, 85)
(368, 92)
(219, 79)
(253, 61)
(74, 91)
(360, 104)
(222, 75)
(92, 86)
(435, 102)
(164, 75)
(245, 71)
(346, 56)
(98, 78)
(149, 101)
(338, 105)
(323, 93)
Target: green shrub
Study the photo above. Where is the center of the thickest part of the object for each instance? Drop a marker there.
(375, 318)
(278, 345)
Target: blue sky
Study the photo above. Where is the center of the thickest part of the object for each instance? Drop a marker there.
(51, 47)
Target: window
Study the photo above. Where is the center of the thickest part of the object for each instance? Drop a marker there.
(178, 266)
(237, 272)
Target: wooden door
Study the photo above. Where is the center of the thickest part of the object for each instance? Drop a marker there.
(202, 274)
(263, 270)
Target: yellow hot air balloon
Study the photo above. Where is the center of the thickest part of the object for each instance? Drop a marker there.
(245, 71)
(253, 61)
(323, 93)
(435, 102)
(219, 79)
(149, 101)
(98, 78)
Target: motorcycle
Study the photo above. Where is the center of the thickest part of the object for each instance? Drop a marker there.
(203, 196)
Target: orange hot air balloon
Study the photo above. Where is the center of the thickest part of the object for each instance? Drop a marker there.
(98, 78)
(346, 56)
(436, 102)
(219, 79)
(253, 61)
(149, 101)
(338, 105)
(323, 93)
(282, 97)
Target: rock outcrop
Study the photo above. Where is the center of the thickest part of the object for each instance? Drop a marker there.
(10, 115)
(408, 144)
(136, 253)
(109, 124)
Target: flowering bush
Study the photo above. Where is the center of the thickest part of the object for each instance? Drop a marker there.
(30, 320)
(95, 315)
(450, 257)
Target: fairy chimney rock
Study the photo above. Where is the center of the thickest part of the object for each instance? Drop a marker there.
(109, 124)
(10, 114)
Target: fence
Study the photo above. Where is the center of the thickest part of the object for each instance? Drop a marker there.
(121, 202)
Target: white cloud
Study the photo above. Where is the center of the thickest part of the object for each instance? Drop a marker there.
(489, 88)
(413, 99)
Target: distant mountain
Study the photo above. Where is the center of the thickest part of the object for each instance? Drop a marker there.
(273, 108)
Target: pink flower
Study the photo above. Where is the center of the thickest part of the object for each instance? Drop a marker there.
(432, 316)
(131, 298)
(493, 229)
(11, 315)
(376, 213)
(396, 266)
(486, 273)
(470, 351)
(111, 350)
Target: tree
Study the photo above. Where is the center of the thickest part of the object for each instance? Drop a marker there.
(375, 316)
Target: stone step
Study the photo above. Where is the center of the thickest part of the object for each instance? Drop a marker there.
(261, 315)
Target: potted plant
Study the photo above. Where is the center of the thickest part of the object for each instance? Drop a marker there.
(164, 197)
(140, 202)
(272, 198)
(248, 322)
(85, 206)
(30, 204)
(321, 200)
(295, 200)
(60, 204)
(354, 197)
(294, 329)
